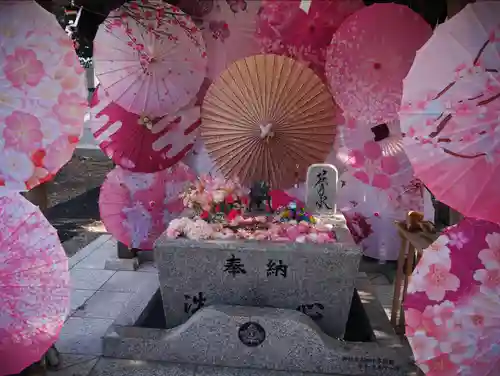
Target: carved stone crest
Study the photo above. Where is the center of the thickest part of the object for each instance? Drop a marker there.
(251, 334)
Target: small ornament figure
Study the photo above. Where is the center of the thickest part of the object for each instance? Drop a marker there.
(259, 195)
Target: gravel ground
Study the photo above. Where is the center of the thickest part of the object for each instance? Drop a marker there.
(80, 175)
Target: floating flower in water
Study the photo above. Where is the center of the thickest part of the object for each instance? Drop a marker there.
(252, 228)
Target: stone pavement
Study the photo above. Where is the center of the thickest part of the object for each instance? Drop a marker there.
(98, 296)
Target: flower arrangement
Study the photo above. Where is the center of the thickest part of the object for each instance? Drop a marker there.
(216, 199)
(219, 206)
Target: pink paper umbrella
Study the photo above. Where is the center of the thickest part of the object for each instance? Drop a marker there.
(200, 161)
(383, 165)
(370, 214)
(453, 302)
(150, 58)
(451, 112)
(42, 96)
(139, 143)
(137, 208)
(370, 54)
(229, 31)
(34, 284)
(302, 32)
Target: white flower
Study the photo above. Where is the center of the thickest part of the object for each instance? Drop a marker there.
(218, 196)
(437, 253)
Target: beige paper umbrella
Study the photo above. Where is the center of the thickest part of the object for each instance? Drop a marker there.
(268, 117)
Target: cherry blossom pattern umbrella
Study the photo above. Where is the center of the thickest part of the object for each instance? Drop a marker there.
(42, 96)
(266, 115)
(287, 28)
(453, 302)
(137, 208)
(375, 164)
(451, 112)
(369, 56)
(228, 28)
(139, 143)
(370, 214)
(34, 284)
(150, 58)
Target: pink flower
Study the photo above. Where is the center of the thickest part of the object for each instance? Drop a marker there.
(198, 230)
(23, 68)
(172, 233)
(490, 280)
(390, 165)
(490, 257)
(434, 281)
(356, 158)
(457, 240)
(220, 30)
(358, 226)
(424, 347)
(413, 321)
(59, 152)
(440, 366)
(381, 181)
(67, 78)
(22, 131)
(323, 237)
(70, 109)
(437, 252)
(372, 150)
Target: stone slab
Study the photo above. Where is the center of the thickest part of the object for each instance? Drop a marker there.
(74, 365)
(121, 264)
(321, 188)
(127, 281)
(216, 336)
(317, 279)
(89, 279)
(83, 335)
(104, 305)
(120, 367)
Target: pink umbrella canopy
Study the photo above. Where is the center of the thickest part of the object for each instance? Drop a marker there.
(384, 166)
(453, 302)
(229, 31)
(303, 33)
(370, 214)
(369, 56)
(451, 112)
(42, 96)
(138, 143)
(137, 208)
(34, 284)
(200, 161)
(150, 58)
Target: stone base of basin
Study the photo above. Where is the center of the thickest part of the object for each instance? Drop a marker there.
(261, 338)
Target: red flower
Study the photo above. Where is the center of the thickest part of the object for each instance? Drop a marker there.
(232, 214)
(230, 199)
(204, 215)
(244, 200)
(218, 209)
(38, 157)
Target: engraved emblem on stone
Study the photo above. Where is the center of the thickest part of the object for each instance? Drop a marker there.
(251, 334)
